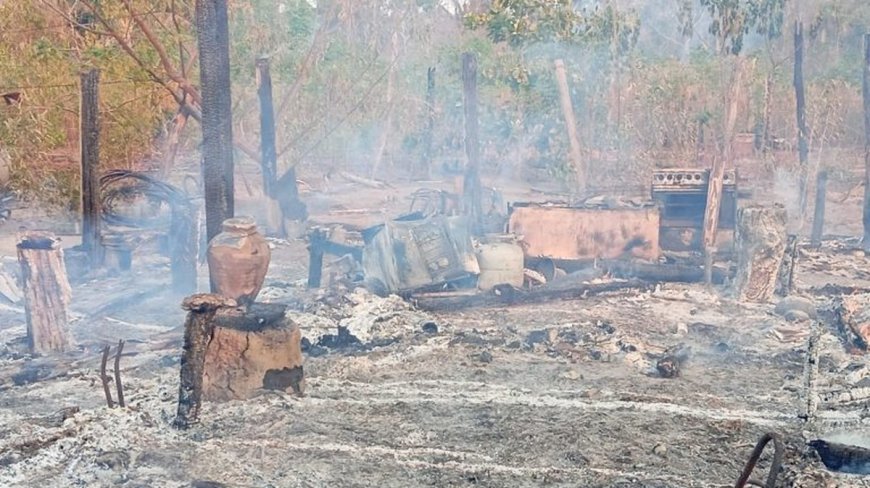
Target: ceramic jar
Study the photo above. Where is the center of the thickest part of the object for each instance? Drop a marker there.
(238, 259)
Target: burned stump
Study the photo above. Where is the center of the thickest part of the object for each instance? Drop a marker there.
(760, 242)
(231, 351)
(47, 292)
(250, 350)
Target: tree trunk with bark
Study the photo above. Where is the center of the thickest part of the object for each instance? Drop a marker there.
(471, 186)
(217, 118)
(760, 242)
(47, 293)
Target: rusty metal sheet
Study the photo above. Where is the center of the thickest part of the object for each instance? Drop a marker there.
(564, 233)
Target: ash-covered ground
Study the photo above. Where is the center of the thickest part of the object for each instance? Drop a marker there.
(563, 393)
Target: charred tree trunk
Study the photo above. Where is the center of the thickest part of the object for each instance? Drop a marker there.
(429, 134)
(472, 192)
(785, 280)
(46, 293)
(571, 126)
(217, 118)
(268, 154)
(90, 156)
(198, 331)
(800, 96)
(819, 214)
(760, 242)
(866, 91)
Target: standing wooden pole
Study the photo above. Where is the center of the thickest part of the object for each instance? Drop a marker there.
(89, 117)
(268, 156)
(725, 156)
(198, 330)
(472, 192)
(429, 134)
(217, 119)
(184, 248)
(867, 142)
(819, 214)
(46, 292)
(571, 126)
(800, 96)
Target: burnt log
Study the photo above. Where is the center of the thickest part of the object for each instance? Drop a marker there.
(198, 331)
(47, 293)
(760, 242)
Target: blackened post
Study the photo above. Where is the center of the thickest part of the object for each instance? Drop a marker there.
(800, 96)
(316, 244)
(198, 330)
(268, 157)
(429, 134)
(183, 248)
(867, 142)
(819, 214)
(89, 118)
(217, 118)
(471, 183)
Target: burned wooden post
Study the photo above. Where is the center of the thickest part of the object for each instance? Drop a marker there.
(429, 133)
(785, 280)
(198, 330)
(316, 243)
(866, 91)
(571, 126)
(47, 292)
(217, 119)
(268, 154)
(803, 132)
(268, 157)
(89, 132)
(760, 241)
(184, 248)
(717, 173)
(472, 192)
(819, 214)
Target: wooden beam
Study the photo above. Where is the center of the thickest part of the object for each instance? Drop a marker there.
(471, 189)
(819, 214)
(802, 130)
(89, 117)
(724, 156)
(866, 91)
(268, 157)
(571, 127)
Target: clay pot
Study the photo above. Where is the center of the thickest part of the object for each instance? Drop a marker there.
(238, 259)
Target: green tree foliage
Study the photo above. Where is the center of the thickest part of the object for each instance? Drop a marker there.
(733, 19)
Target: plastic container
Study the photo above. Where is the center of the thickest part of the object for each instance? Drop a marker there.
(501, 261)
